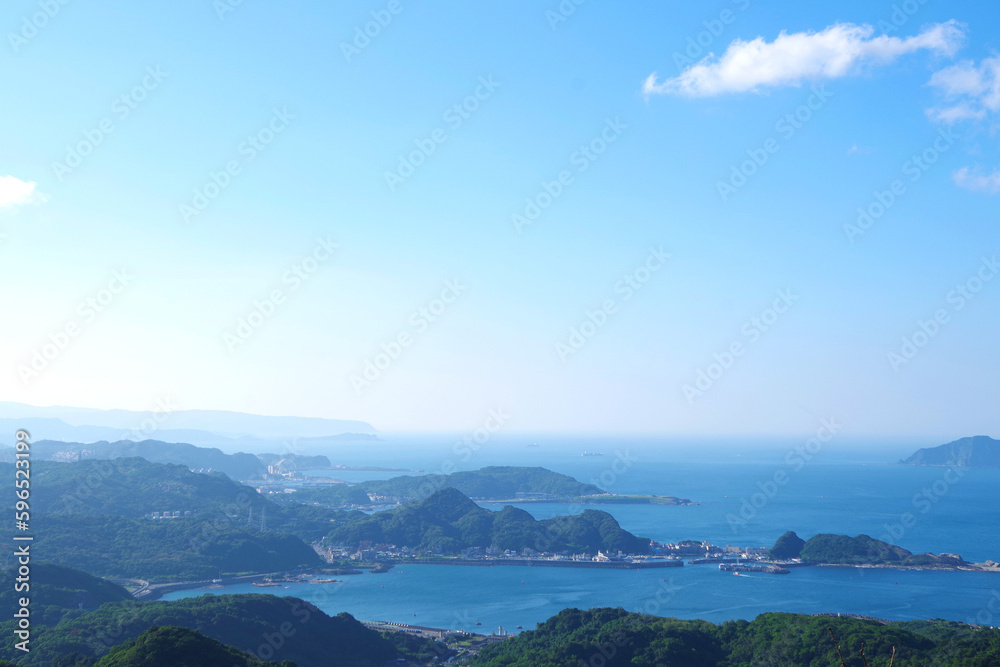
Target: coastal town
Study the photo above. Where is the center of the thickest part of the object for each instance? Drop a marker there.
(662, 555)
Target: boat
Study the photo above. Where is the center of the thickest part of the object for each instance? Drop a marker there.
(592, 454)
(477, 622)
(265, 584)
(520, 627)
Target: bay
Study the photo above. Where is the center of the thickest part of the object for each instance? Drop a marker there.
(748, 494)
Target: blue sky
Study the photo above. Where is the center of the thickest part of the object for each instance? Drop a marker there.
(640, 218)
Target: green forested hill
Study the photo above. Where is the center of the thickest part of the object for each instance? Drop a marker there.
(180, 647)
(236, 466)
(181, 549)
(133, 487)
(62, 586)
(270, 627)
(489, 483)
(825, 548)
(451, 521)
(621, 639)
(54, 589)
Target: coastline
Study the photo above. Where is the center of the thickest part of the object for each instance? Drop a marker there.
(971, 567)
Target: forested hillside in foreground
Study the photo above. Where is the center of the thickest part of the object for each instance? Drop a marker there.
(270, 627)
(616, 638)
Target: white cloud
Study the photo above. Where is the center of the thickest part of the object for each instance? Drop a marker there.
(15, 192)
(988, 184)
(973, 90)
(792, 59)
(970, 92)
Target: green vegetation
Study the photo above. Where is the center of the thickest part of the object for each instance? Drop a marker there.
(976, 452)
(490, 483)
(236, 466)
(787, 546)
(179, 647)
(450, 521)
(269, 627)
(335, 495)
(829, 549)
(56, 589)
(134, 487)
(616, 638)
(291, 462)
(860, 550)
(180, 549)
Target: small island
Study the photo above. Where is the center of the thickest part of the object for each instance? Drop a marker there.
(979, 451)
(865, 551)
(489, 485)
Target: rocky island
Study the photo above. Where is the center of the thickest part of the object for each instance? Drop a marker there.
(980, 451)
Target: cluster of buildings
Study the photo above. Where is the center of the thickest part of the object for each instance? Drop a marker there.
(696, 549)
(175, 514)
(368, 552)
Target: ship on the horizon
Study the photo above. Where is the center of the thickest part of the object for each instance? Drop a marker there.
(592, 454)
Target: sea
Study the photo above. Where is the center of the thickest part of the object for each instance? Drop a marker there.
(747, 492)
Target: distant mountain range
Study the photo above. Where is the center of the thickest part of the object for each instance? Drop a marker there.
(979, 451)
(230, 431)
(238, 466)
